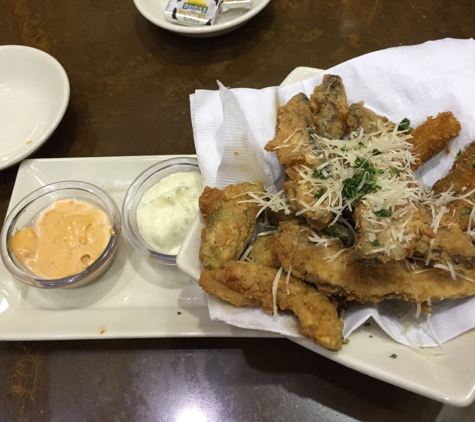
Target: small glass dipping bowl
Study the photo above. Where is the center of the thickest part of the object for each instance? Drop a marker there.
(26, 213)
(142, 184)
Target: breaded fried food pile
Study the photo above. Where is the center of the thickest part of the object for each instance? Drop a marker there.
(230, 217)
(352, 222)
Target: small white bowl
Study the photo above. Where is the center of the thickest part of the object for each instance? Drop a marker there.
(26, 213)
(34, 95)
(139, 186)
(154, 11)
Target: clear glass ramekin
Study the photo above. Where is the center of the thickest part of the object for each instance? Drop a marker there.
(142, 184)
(27, 211)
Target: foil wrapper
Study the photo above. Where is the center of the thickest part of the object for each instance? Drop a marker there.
(192, 12)
(235, 4)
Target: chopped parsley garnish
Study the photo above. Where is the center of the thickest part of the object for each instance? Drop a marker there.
(383, 213)
(456, 193)
(404, 125)
(370, 336)
(376, 152)
(346, 341)
(375, 242)
(393, 356)
(344, 148)
(458, 153)
(366, 324)
(396, 171)
(319, 193)
(360, 163)
(473, 166)
(361, 144)
(319, 174)
(362, 182)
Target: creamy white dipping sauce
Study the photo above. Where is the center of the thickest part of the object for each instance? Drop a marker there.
(166, 210)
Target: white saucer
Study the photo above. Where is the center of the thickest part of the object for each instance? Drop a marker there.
(34, 94)
(154, 11)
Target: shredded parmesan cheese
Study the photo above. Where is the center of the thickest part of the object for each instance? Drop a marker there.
(276, 202)
(246, 253)
(335, 255)
(418, 310)
(450, 268)
(384, 153)
(287, 279)
(275, 286)
(325, 241)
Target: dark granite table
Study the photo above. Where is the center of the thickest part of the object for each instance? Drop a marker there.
(130, 83)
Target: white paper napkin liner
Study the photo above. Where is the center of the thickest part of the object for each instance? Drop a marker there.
(400, 324)
(252, 317)
(447, 320)
(206, 119)
(242, 159)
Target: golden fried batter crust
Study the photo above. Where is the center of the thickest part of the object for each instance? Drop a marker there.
(461, 176)
(452, 243)
(343, 276)
(299, 192)
(433, 136)
(317, 316)
(294, 128)
(329, 106)
(214, 283)
(292, 144)
(360, 117)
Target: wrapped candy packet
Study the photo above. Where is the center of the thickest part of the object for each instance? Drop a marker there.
(235, 4)
(192, 12)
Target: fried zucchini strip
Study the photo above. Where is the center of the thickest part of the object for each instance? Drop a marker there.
(453, 242)
(230, 223)
(214, 283)
(263, 252)
(318, 318)
(335, 271)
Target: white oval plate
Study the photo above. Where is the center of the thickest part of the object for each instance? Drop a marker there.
(34, 94)
(154, 11)
(446, 375)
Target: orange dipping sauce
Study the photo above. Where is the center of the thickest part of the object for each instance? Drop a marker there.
(68, 237)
